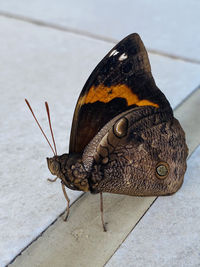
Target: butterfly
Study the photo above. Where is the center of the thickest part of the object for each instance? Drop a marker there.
(124, 137)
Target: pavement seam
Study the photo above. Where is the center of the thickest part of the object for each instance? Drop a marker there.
(187, 98)
(90, 35)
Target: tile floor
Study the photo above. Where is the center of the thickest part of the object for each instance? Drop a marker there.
(48, 49)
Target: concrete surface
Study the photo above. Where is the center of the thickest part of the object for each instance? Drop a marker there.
(48, 50)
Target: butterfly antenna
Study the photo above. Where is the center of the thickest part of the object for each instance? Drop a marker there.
(39, 126)
(48, 114)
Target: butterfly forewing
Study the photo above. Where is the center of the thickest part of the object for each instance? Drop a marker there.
(121, 81)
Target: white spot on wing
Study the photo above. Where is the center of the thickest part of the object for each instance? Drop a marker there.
(123, 57)
(113, 53)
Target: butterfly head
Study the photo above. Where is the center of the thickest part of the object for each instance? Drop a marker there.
(70, 169)
(54, 165)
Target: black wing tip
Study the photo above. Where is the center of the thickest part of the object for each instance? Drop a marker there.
(134, 35)
(133, 39)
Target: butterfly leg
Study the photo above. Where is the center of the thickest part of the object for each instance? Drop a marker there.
(101, 209)
(52, 180)
(68, 201)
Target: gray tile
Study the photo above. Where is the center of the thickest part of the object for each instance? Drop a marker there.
(168, 235)
(188, 115)
(167, 26)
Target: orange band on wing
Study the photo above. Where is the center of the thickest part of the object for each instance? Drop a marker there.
(146, 102)
(106, 94)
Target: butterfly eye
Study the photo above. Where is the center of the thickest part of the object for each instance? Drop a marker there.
(162, 170)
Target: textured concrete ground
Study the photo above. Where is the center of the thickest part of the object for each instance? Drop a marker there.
(47, 51)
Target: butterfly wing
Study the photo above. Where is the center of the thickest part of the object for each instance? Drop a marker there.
(141, 152)
(121, 81)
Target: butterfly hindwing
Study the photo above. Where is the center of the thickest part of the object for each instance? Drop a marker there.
(141, 152)
(121, 81)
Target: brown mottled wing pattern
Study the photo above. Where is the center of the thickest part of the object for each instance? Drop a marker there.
(121, 81)
(124, 157)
